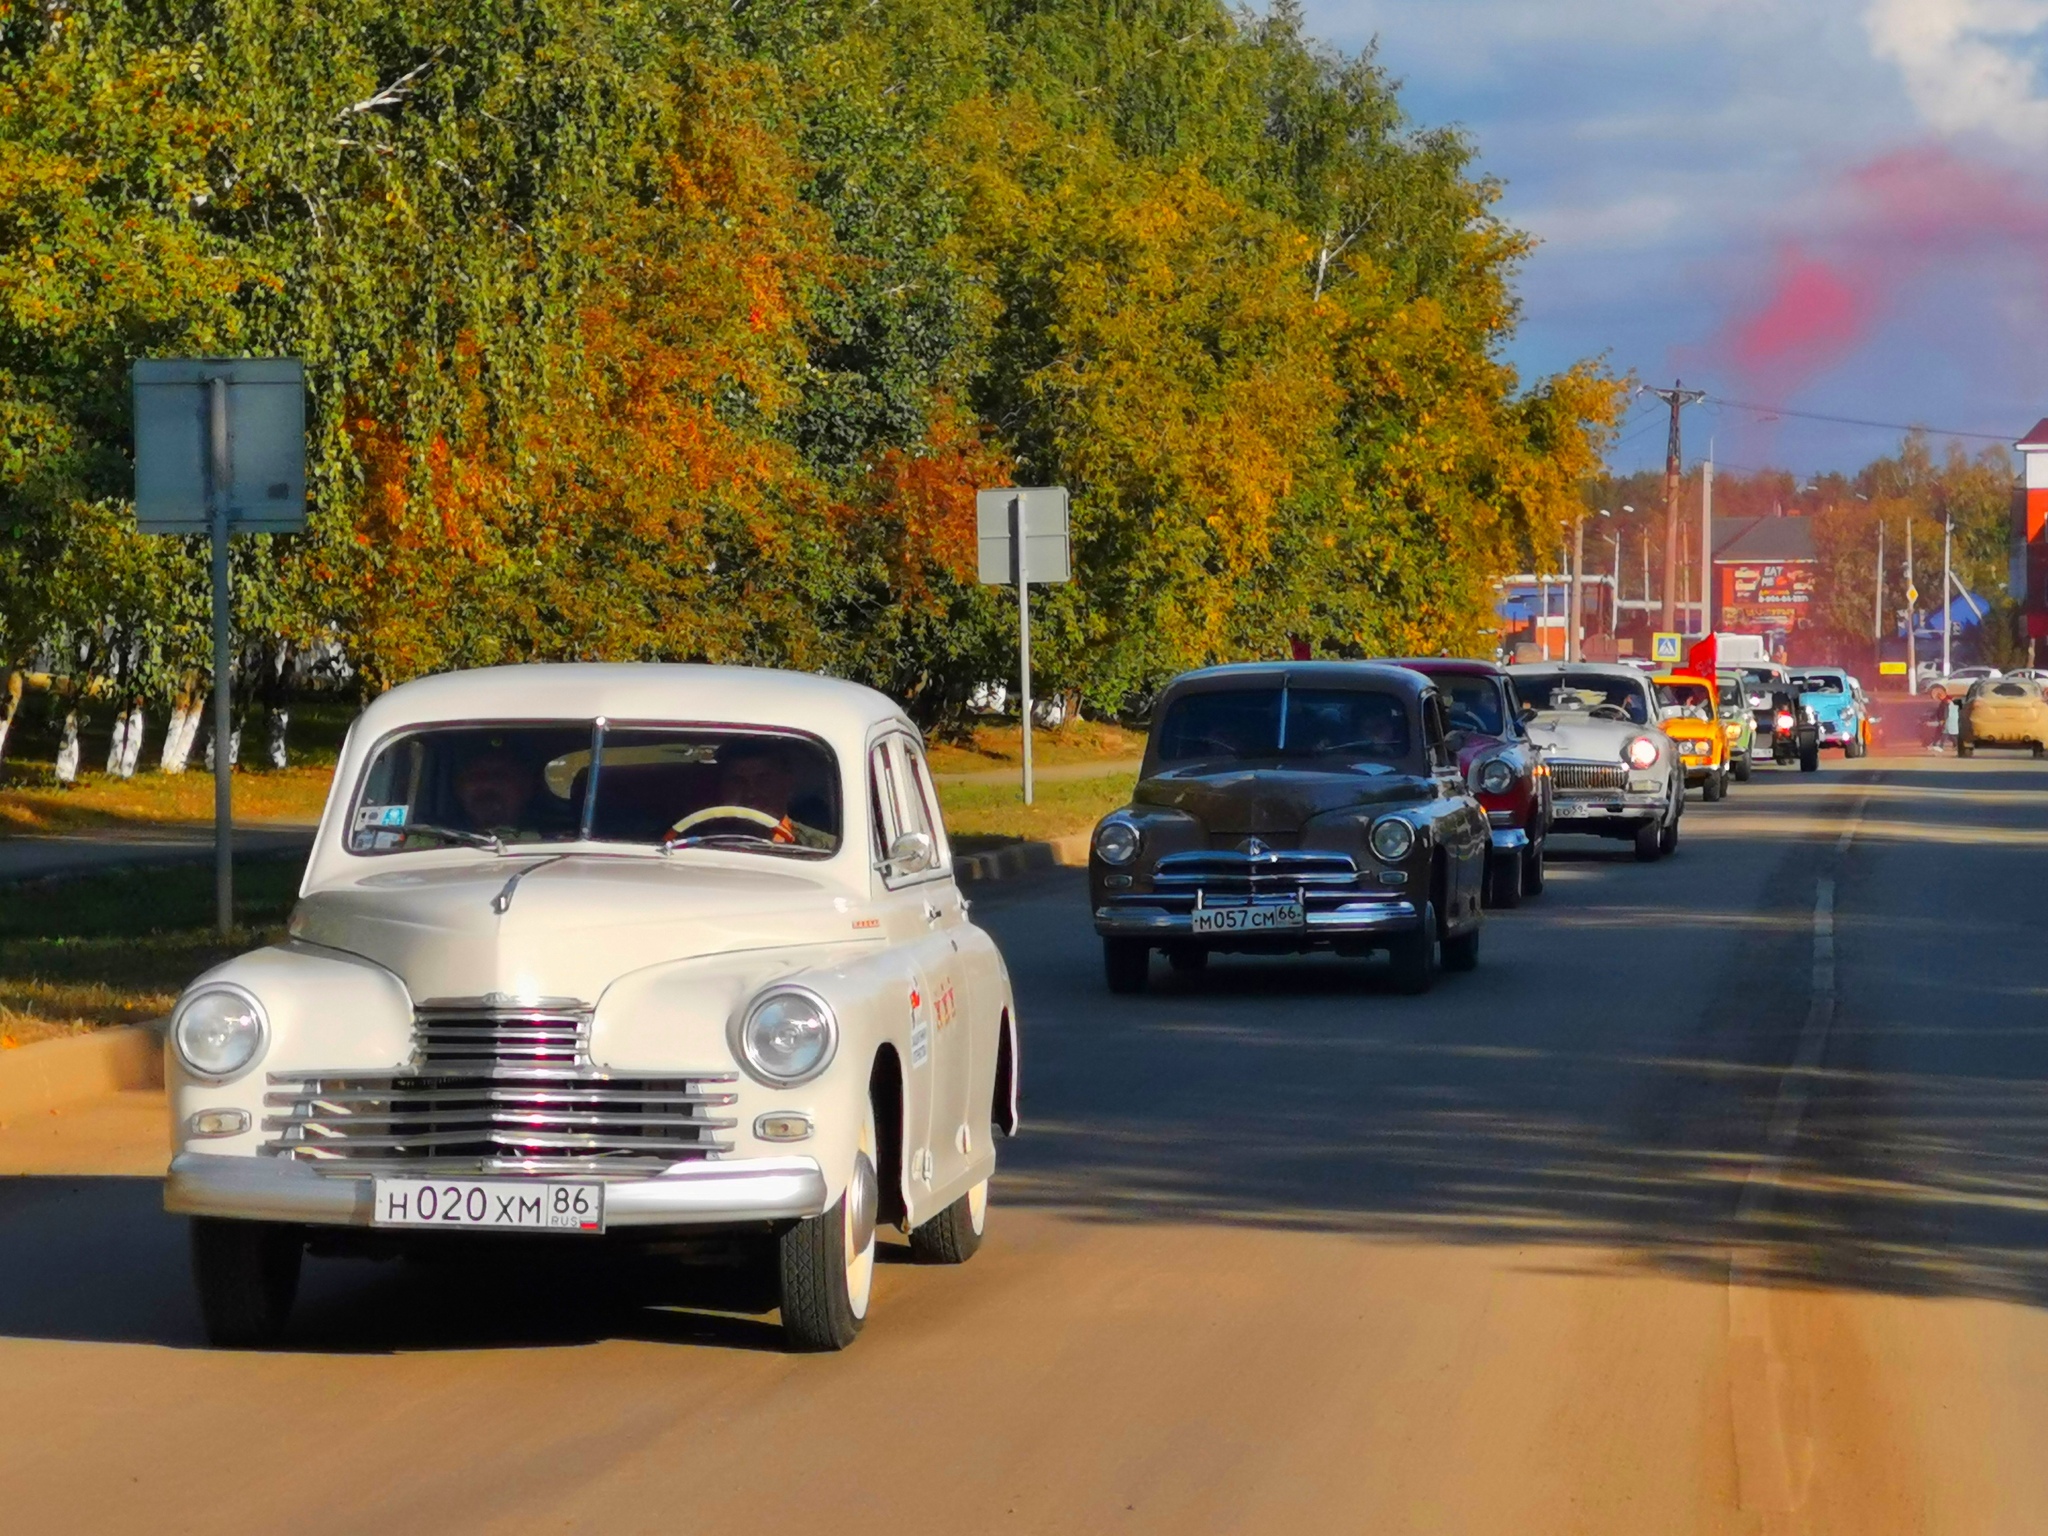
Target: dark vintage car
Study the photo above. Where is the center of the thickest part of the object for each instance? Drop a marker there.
(1501, 765)
(1789, 728)
(1289, 807)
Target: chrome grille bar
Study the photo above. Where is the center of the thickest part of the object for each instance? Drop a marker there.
(1588, 776)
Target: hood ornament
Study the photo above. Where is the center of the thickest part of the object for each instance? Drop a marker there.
(1252, 848)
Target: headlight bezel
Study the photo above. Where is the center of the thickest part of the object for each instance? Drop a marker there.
(1640, 760)
(1490, 769)
(741, 1039)
(1400, 829)
(1110, 827)
(182, 1013)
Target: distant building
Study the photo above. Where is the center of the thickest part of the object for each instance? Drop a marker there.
(2027, 578)
(1764, 571)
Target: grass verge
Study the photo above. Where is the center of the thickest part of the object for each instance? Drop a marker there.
(983, 816)
(1002, 746)
(99, 803)
(117, 948)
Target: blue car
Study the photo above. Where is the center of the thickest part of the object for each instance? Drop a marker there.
(1838, 705)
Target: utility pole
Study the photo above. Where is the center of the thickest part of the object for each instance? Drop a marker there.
(1707, 543)
(1877, 610)
(1912, 618)
(1574, 639)
(1677, 397)
(1948, 606)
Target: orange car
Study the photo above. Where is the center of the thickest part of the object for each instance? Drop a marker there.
(1689, 712)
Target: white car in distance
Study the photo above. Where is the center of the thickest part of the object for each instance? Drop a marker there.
(604, 953)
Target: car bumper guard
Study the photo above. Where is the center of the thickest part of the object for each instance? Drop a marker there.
(689, 1194)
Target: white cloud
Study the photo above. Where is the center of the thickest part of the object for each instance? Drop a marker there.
(1963, 64)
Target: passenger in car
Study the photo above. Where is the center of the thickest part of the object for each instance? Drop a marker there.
(760, 776)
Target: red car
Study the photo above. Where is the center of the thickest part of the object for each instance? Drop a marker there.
(1500, 763)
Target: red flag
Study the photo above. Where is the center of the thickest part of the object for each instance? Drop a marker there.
(1703, 660)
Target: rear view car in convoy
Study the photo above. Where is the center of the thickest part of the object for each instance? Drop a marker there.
(1785, 728)
(1289, 807)
(1738, 726)
(1613, 773)
(2003, 712)
(1689, 710)
(1839, 712)
(1501, 765)
(647, 954)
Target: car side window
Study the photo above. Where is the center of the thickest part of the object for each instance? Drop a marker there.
(904, 805)
(1433, 731)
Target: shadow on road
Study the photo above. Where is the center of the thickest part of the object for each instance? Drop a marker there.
(1606, 1080)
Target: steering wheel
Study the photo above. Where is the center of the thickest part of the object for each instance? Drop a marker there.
(1607, 712)
(711, 813)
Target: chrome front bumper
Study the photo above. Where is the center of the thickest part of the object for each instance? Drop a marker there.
(1572, 813)
(689, 1194)
(1509, 839)
(1137, 921)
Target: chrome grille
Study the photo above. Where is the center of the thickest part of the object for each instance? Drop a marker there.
(1244, 874)
(1568, 777)
(498, 1090)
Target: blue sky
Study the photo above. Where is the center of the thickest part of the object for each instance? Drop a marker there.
(1681, 159)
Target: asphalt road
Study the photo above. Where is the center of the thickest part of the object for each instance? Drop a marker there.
(1715, 1200)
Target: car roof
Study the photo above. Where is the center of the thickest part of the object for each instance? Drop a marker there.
(1340, 674)
(1586, 668)
(669, 692)
(1453, 666)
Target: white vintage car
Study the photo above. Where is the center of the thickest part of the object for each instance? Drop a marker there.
(639, 951)
(1613, 771)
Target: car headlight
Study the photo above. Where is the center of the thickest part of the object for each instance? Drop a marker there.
(1641, 752)
(219, 1030)
(788, 1036)
(1392, 838)
(1496, 778)
(1116, 842)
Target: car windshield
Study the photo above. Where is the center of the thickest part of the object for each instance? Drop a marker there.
(1761, 679)
(1474, 704)
(1695, 699)
(512, 785)
(1248, 723)
(1820, 683)
(1585, 693)
(1731, 693)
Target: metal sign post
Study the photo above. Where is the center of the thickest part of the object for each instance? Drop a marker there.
(1023, 537)
(220, 449)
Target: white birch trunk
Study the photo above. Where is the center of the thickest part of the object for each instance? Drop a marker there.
(177, 740)
(67, 750)
(280, 722)
(131, 747)
(234, 749)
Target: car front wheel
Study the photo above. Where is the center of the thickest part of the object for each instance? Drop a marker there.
(1124, 964)
(1532, 869)
(826, 1264)
(1649, 841)
(1809, 759)
(1742, 769)
(1413, 955)
(248, 1276)
(1504, 880)
(1461, 953)
(952, 1236)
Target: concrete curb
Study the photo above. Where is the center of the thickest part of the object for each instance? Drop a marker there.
(53, 1073)
(1021, 859)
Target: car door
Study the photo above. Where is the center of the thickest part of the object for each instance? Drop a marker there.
(1464, 869)
(926, 916)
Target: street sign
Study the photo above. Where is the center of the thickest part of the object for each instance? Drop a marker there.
(220, 448)
(1022, 535)
(1912, 594)
(263, 476)
(1891, 669)
(1666, 647)
(1042, 511)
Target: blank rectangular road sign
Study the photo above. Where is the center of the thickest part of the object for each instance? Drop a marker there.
(265, 481)
(1046, 555)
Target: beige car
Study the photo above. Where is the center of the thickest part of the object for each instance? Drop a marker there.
(658, 954)
(2003, 712)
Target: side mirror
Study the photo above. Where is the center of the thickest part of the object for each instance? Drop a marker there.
(910, 852)
(1528, 713)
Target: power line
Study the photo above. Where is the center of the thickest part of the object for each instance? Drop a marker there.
(1857, 421)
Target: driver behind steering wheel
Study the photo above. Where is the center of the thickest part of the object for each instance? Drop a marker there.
(758, 777)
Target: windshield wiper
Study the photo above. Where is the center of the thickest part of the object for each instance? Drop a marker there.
(748, 840)
(486, 840)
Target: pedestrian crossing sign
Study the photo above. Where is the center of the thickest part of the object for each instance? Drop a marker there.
(1666, 647)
